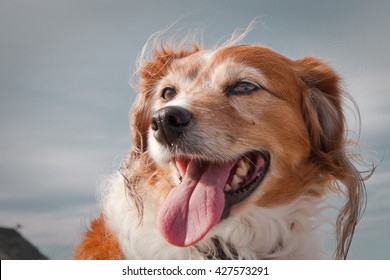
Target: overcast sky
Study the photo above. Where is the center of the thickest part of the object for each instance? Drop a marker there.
(64, 96)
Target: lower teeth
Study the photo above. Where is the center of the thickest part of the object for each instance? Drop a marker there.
(237, 186)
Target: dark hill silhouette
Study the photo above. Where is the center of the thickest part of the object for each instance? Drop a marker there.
(13, 246)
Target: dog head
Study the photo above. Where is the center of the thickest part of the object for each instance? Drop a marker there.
(241, 125)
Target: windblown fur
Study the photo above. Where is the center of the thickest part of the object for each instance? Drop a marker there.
(242, 99)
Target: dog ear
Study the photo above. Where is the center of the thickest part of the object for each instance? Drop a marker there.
(151, 72)
(322, 107)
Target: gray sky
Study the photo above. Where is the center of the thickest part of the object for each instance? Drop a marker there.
(64, 96)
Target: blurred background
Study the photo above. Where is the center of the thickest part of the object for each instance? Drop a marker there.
(65, 97)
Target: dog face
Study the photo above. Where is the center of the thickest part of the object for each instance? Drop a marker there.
(238, 126)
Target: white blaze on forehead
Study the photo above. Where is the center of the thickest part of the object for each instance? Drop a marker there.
(205, 72)
(185, 71)
(207, 69)
(182, 76)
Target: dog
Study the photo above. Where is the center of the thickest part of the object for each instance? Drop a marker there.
(234, 153)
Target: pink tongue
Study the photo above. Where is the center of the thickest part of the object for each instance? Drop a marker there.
(195, 205)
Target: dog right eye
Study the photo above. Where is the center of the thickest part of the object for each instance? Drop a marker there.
(242, 88)
(168, 93)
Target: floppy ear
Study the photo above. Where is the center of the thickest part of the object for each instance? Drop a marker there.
(150, 74)
(322, 107)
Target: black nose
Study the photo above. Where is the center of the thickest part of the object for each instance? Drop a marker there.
(169, 122)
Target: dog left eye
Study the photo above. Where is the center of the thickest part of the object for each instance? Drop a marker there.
(168, 93)
(242, 88)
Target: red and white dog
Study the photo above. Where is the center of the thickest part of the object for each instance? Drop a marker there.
(234, 151)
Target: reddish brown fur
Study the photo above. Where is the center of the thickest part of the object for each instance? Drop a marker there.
(98, 244)
(305, 94)
(313, 92)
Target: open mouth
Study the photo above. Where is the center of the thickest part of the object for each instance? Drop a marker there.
(245, 176)
(206, 193)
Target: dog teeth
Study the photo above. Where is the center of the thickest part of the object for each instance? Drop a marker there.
(240, 172)
(242, 168)
(235, 184)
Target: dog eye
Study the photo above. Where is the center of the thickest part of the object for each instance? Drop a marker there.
(168, 93)
(242, 88)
